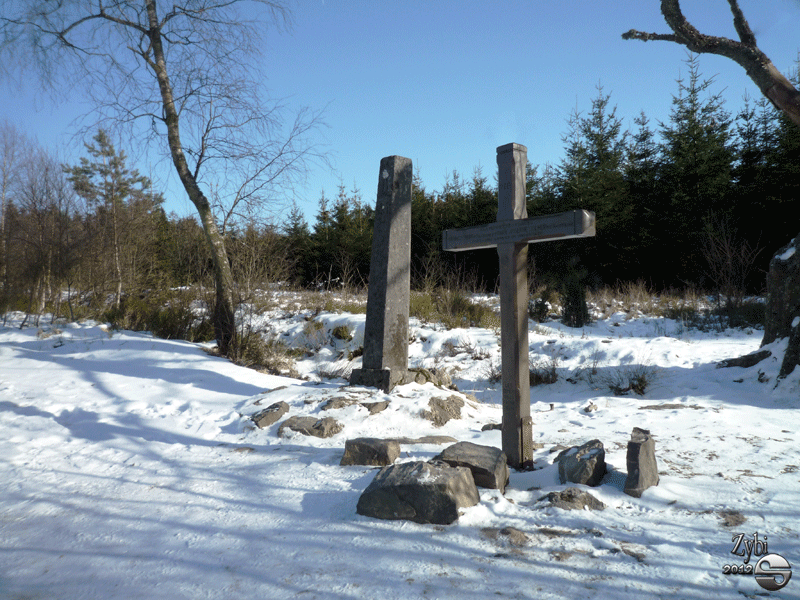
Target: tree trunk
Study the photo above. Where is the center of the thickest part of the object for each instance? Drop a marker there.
(223, 314)
(117, 265)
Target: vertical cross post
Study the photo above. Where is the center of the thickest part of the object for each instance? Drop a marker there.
(517, 435)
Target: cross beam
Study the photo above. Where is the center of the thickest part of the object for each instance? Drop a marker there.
(561, 226)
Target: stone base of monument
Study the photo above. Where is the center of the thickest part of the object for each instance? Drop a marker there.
(387, 379)
(383, 379)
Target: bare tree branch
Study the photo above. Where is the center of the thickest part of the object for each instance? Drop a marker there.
(772, 83)
(746, 34)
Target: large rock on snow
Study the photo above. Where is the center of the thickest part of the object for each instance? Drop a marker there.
(271, 414)
(584, 464)
(370, 451)
(321, 428)
(420, 492)
(489, 465)
(642, 466)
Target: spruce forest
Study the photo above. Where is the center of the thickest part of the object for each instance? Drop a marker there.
(701, 201)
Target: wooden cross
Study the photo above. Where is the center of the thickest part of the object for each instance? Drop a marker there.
(511, 235)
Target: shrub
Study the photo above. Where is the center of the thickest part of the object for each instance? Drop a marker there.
(746, 314)
(342, 332)
(575, 312)
(253, 351)
(165, 316)
(541, 303)
(452, 308)
(631, 378)
(544, 371)
(494, 372)
(314, 332)
(538, 309)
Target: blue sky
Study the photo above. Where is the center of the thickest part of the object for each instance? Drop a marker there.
(445, 82)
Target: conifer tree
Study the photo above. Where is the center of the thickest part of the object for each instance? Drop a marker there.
(592, 178)
(642, 169)
(107, 185)
(696, 179)
(298, 243)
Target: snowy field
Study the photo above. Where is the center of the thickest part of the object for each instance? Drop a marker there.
(129, 468)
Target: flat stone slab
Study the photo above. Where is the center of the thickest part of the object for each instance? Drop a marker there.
(670, 406)
(338, 402)
(270, 415)
(573, 499)
(489, 465)
(746, 361)
(510, 535)
(419, 492)
(426, 439)
(321, 428)
(372, 452)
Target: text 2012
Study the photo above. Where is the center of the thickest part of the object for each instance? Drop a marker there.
(737, 569)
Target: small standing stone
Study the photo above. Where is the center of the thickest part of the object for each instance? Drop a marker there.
(642, 466)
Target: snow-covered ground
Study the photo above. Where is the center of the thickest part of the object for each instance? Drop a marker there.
(129, 468)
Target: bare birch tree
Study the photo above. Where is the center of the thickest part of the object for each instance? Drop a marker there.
(182, 74)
